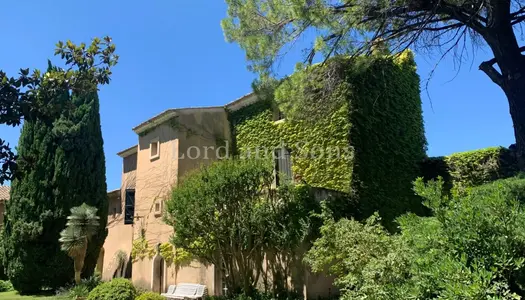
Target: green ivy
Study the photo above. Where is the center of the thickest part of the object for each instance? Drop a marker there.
(369, 108)
(387, 134)
(259, 130)
(141, 249)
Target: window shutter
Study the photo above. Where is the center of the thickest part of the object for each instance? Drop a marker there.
(283, 166)
(129, 212)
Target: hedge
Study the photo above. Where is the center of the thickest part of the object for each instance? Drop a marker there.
(116, 289)
(473, 168)
(150, 296)
(368, 107)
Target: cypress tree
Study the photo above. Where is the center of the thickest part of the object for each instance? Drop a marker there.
(80, 170)
(34, 217)
(64, 166)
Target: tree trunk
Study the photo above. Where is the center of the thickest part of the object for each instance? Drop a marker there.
(77, 277)
(507, 54)
(515, 91)
(78, 262)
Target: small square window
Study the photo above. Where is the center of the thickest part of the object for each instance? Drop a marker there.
(278, 115)
(154, 148)
(158, 208)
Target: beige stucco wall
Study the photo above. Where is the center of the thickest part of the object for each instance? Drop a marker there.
(206, 133)
(120, 235)
(153, 179)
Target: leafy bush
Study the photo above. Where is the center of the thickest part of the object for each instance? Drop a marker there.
(258, 296)
(80, 290)
(5, 286)
(150, 296)
(247, 223)
(464, 170)
(116, 289)
(473, 247)
(92, 282)
(76, 291)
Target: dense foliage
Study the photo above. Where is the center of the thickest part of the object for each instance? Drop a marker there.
(257, 296)
(150, 296)
(32, 96)
(30, 235)
(255, 129)
(228, 214)
(267, 29)
(63, 166)
(387, 135)
(5, 286)
(346, 129)
(472, 248)
(80, 160)
(116, 289)
(461, 171)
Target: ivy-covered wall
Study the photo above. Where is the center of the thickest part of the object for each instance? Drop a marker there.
(364, 115)
(257, 133)
(463, 170)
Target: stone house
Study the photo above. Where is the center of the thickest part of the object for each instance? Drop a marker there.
(170, 145)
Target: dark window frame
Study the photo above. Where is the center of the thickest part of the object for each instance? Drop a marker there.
(129, 207)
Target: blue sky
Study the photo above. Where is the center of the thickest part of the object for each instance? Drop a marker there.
(173, 54)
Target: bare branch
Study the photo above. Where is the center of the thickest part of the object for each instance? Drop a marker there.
(493, 74)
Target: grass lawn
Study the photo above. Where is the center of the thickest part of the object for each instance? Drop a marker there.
(14, 296)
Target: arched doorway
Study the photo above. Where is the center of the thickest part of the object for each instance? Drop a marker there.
(157, 274)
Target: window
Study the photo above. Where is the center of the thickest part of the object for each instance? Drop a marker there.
(115, 207)
(158, 208)
(283, 166)
(278, 115)
(129, 207)
(154, 148)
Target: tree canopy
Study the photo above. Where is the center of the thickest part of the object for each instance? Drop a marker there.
(61, 164)
(266, 29)
(229, 215)
(33, 94)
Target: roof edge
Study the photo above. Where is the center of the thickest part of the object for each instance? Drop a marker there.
(166, 115)
(128, 151)
(241, 102)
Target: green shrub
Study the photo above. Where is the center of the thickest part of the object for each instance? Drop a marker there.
(257, 295)
(5, 286)
(116, 289)
(92, 282)
(461, 171)
(78, 291)
(473, 247)
(150, 296)
(235, 196)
